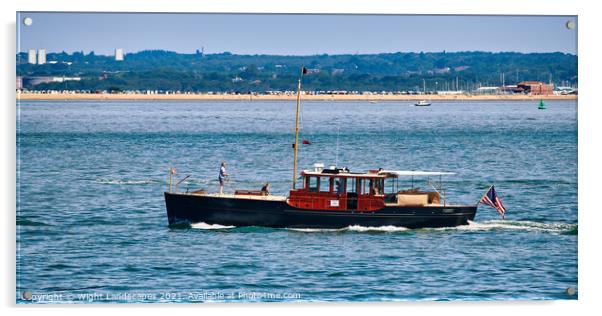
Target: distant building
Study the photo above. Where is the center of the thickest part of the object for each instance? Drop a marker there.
(565, 90)
(32, 81)
(19, 83)
(41, 56)
(511, 89)
(461, 68)
(119, 54)
(443, 70)
(488, 90)
(31, 56)
(450, 92)
(535, 88)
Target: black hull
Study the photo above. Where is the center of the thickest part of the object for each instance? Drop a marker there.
(187, 208)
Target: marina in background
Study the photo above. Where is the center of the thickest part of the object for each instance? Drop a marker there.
(369, 97)
(163, 75)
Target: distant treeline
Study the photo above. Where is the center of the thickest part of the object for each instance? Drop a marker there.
(226, 72)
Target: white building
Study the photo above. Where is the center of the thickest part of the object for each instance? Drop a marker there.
(63, 79)
(450, 92)
(119, 54)
(488, 90)
(31, 56)
(41, 56)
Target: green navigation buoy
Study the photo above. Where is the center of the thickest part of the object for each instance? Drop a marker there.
(541, 106)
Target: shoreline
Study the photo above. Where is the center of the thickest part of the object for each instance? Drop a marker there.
(306, 97)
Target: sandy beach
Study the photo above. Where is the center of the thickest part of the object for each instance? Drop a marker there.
(283, 97)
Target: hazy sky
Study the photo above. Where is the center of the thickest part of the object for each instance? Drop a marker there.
(293, 34)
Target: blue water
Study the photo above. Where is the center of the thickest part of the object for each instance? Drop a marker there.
(92, 226)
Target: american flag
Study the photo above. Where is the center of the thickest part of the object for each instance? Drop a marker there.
(490, 198)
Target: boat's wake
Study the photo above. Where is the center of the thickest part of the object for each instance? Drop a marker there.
(551, 227)
(502, 225)
(202, 225)
(353, 228)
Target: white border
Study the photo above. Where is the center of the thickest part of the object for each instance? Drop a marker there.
(589, 144)
(550, 7)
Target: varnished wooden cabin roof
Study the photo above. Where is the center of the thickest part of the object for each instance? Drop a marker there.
(343, 174)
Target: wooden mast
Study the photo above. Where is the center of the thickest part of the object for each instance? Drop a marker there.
(296, 145)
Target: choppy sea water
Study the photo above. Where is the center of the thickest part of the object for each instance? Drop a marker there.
(92, 225)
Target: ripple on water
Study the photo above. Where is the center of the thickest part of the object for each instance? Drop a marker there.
(26, 222)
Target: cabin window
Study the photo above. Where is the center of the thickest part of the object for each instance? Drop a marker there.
(369, 187)
(389, 186)
(340, 185)
(325, 184)
(312, 184)
(378, 186)
(352, 185)
(361, 186)
(364, 186)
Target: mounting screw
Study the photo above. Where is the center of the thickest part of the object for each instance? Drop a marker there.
(570, 25)
(570, 291)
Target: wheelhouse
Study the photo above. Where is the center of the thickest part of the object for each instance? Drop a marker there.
(340, 190)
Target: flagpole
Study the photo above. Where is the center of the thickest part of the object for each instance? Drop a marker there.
(296, 146)
(170, 176)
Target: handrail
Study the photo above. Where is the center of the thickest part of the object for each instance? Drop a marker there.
(177, 184)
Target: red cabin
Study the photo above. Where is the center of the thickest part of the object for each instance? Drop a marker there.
(338, 189)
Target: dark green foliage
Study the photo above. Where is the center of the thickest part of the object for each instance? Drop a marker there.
(165, 70)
